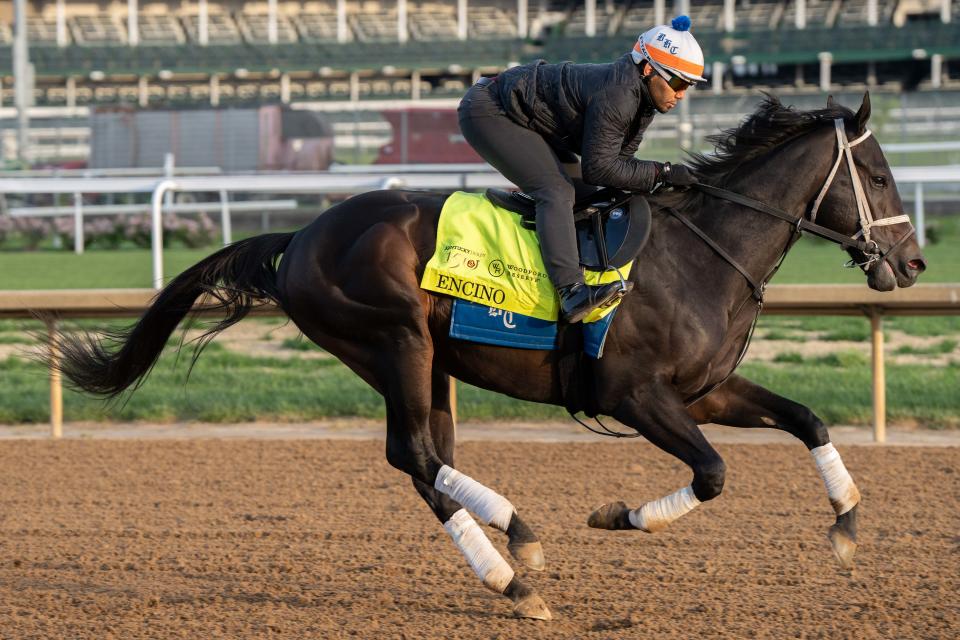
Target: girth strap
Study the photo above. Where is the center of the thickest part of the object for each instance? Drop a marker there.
(757, 288)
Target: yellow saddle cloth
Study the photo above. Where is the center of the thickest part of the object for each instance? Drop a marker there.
(486, 256)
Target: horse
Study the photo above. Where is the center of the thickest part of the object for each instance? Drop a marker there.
(350, 281)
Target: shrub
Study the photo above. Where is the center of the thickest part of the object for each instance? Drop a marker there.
(32, 231)
(113, 232)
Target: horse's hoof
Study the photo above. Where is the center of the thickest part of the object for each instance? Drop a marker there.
(532, 607)
(843, 538)
(612, 516)
(529, 553)
(843, 546)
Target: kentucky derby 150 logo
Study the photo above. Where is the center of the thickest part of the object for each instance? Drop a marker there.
(496, 268)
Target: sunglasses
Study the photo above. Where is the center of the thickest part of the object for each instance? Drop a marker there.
(677, 83)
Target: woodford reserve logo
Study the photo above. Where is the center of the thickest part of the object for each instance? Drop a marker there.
(473, 290)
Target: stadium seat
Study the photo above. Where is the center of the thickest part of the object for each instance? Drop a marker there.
(433, 22)
(221, 29)
(97, 30)
(758, 15)
(707, 16)
(255, 28)
(128, 93)
(318, 27)
(491, 23)
(638, 17)
(315, 90)
(41, 32)
(199, 92)
(105, 94)
(339, 89)
(160, 29)
(854, 12)
(379, 26)
(56, 95)
(820, 14)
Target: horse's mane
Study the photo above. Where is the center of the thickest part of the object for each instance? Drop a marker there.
(770, 126)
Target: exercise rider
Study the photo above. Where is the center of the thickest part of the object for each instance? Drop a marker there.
(532, 121)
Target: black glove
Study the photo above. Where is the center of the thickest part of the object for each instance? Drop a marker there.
(677, 175)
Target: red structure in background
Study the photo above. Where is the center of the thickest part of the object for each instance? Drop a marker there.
(425, 136)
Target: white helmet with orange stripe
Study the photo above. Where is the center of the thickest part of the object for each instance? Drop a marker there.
(672, 51)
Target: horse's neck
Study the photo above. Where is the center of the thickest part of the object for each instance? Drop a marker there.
(786, 178)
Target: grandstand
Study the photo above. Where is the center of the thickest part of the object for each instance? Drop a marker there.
(335, 50)
(173, 53)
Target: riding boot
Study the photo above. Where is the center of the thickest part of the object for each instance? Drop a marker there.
(577, 300)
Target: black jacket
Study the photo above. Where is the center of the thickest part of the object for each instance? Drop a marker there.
(598, 111)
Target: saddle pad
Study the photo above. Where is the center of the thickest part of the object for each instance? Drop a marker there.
(483, 254)
(479, 323)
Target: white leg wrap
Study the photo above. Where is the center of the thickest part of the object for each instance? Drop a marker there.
(490, 506)
(843, 493)
(656, 515)
(479, 552)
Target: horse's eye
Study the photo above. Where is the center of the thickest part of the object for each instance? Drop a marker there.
(879, 182)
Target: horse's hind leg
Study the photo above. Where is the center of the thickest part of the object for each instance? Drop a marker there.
(409, 384)
(483, 558)
(741, 403)
(659, 415)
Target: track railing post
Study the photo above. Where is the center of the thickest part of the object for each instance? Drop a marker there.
(453, 403)
(56, 387)
(879, 377)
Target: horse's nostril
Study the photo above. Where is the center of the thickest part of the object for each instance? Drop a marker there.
(917, 265)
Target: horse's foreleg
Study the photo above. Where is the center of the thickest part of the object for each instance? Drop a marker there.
(741, 403)
(662, 419)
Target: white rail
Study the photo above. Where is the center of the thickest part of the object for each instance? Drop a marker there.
(349, 181)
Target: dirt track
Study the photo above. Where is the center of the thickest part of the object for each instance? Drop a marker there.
(321, 539)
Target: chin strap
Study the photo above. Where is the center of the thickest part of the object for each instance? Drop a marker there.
(867, 221)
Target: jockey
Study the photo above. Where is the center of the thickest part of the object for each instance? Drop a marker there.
(532, 121)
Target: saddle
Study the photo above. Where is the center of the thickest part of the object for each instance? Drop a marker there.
(612, 226)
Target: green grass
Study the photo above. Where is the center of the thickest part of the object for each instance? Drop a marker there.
(841, 395)
(939, 348)
(791, 357)
(299, 343)
(94, 269)
(815, 261)
(229, 387)
(780, 334)
(834, 328)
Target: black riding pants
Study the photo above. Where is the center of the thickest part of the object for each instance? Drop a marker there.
(525, 159)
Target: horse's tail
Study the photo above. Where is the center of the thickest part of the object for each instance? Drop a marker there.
(236, 279)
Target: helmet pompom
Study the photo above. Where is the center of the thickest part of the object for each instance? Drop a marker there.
(681, 23)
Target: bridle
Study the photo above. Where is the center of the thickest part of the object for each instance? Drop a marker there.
(867, 221)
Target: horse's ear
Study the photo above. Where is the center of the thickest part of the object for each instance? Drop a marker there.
(863, 114)
(830, 101)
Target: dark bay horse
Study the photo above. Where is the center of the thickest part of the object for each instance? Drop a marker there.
(350, 282)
